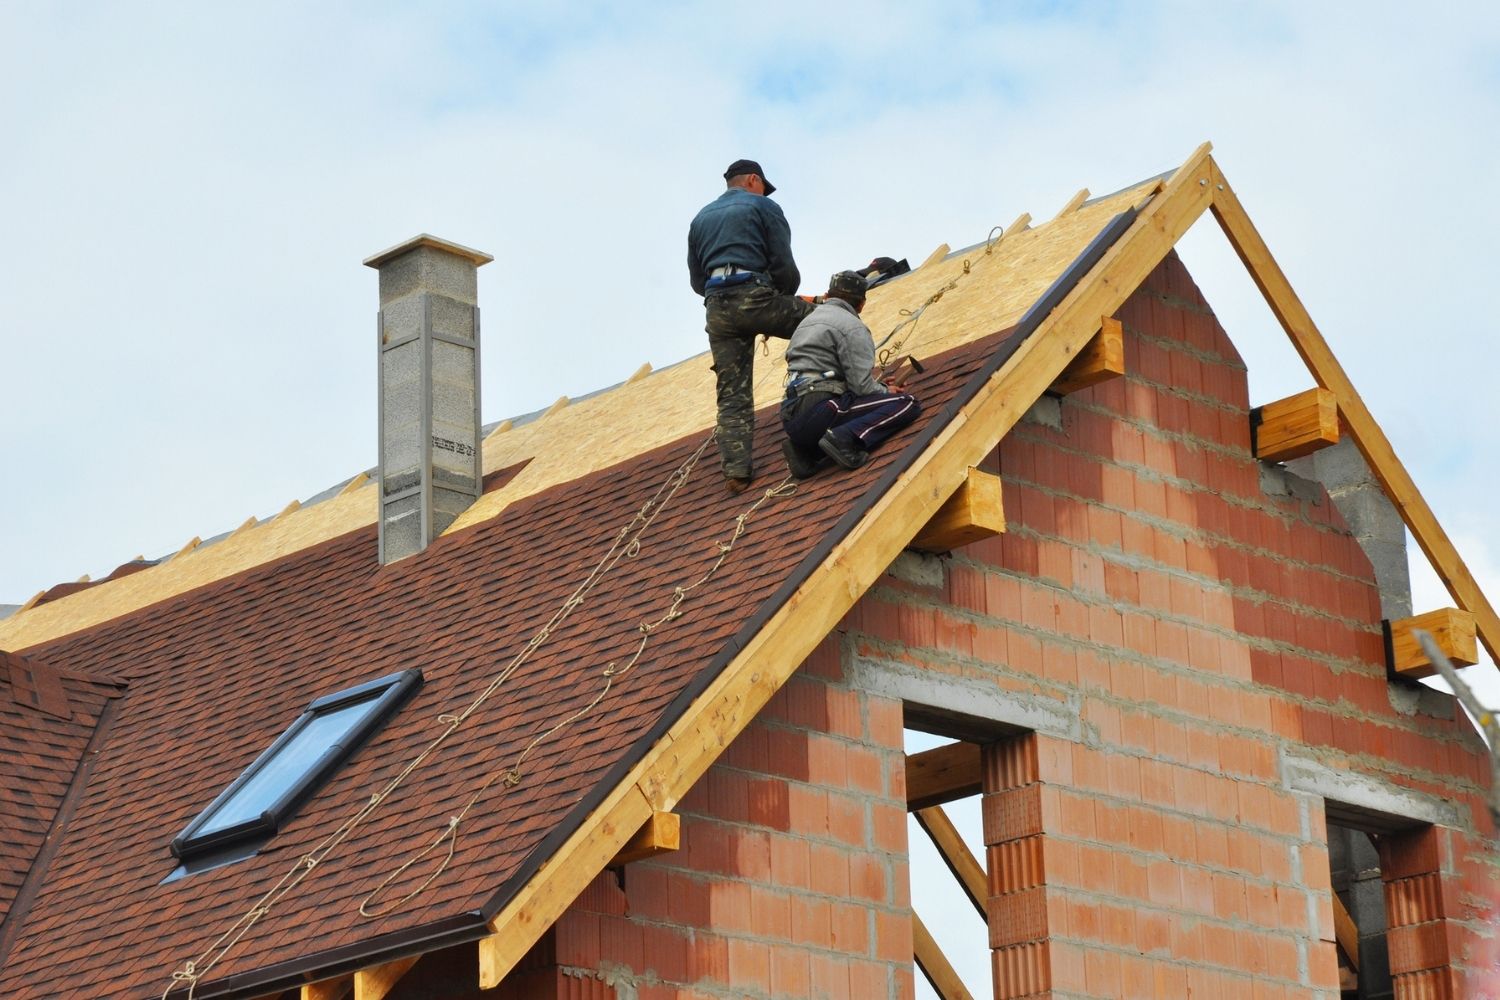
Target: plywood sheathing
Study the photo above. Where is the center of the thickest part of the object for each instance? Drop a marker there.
(594, 433)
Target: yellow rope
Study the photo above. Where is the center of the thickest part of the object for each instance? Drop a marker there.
(625, 545)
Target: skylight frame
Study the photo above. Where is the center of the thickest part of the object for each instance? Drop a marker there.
(246, 837)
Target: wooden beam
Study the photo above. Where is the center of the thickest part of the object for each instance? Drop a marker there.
(562, 401)
(639, 373)
(376, 982)
(938, 254)
(742, 688)
(1346, 932)
(934, 964)
(658, 835)
(492, 961)
(1452, 629)
(974, 511)
(1367, 435)
(359, 480)
(1295, 426)
(942, 774)
(1073, 202)
(329, 989)
(192, 543)
(1103, 358)
(501, 428)
(957, 856)
(245, 526)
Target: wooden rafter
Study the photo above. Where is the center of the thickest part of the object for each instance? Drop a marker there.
(1453, 631)
(1367, 435)
(329, 989)
(934, 964)
(973, 512)
(376, 982)
(942, 774)
(658, 835)
(671, 766)
(957, 856)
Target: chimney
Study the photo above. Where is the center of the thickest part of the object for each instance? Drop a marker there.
(429, 390)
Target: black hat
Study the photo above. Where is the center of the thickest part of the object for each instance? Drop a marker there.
(748, 167)
(849, 285)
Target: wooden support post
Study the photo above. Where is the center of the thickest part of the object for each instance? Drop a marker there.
(1101, 359)
(1452, 629)
(659, 834)
(974, 511)
(957, 856)
(1367, 435)
(1296, 426)
(329, 989)
(934, 964)
(1346, 932)
(942, 774)
(376, 982)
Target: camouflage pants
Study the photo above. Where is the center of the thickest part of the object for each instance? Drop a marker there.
(735, 317)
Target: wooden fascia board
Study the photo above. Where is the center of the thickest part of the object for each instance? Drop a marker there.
(670, 767)
(1368, 437)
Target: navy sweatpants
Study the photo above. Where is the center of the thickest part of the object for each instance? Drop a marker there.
(864, 421)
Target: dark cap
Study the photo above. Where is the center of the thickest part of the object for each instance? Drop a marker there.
(848, 285)
(748, 167)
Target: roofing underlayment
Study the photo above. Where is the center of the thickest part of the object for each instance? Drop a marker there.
(221, 646)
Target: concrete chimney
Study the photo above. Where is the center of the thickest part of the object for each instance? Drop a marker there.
(429, 390)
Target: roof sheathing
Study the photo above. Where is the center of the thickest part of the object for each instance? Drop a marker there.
(594, 433)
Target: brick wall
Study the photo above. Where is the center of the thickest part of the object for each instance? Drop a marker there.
(1200, 627)
(792, 877)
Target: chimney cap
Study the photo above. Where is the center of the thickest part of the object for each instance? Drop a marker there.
(479, 257)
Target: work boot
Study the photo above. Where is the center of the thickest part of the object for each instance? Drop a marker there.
(736, 485)
(848, 454)
(800, 463)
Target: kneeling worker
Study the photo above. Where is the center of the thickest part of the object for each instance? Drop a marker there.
(835, 406)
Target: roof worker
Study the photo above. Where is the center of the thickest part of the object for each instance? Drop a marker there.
(740, 261)
(835, 405)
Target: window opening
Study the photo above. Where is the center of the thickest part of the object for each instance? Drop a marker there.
(1359, 899)
(248, 813)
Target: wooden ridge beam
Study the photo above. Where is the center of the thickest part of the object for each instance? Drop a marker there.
(376, 982)
(743, 687)
(1295, 426)
(935, 966)
(942, 774)
(658, 835)
(974, 511)
(1452, 629)
(1103, 358)
(1368, 437)
(957, 856)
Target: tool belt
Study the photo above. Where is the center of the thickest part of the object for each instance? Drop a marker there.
(799, 384)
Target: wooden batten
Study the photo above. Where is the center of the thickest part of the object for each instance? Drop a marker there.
(1296, 426)
(934, 964)
(328, 989)
(1453, 630)
(1103, 358)
(974, 511)
(376, 982)
(942, 775)
(658, 835)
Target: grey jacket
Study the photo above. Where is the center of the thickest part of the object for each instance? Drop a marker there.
(833, 338)
(748, 230)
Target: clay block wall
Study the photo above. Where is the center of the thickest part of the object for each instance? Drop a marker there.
(792, 876)
(1199, 626)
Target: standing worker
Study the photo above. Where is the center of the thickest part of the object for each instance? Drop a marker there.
(740, 261)
(834, 402)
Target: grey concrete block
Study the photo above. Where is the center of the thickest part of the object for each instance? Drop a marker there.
(1046, 411)
(918, 568)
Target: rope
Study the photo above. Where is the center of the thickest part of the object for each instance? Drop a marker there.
(884, 355)
(626, 544)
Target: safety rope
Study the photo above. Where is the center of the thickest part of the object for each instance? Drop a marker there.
(885, 355)
(626, 544)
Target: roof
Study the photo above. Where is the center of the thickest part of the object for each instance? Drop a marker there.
(222, 646)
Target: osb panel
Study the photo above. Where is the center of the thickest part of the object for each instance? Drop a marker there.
(584, 437)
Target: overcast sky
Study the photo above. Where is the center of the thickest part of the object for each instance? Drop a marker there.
(188, 191)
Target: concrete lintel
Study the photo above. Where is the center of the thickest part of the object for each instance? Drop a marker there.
(1365, 802)
(976, 710)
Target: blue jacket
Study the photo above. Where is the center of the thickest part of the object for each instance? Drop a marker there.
(747, 230)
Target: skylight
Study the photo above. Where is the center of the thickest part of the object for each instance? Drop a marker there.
(267, 793)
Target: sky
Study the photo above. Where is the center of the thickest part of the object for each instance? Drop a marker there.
(187, 192)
